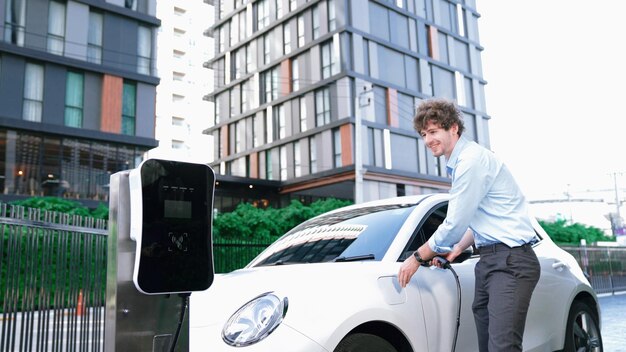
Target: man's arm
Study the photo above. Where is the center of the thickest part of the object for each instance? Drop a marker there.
(410, 264)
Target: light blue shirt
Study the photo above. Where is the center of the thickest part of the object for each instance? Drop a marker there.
(484, 197)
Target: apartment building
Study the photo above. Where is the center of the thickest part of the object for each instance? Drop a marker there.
(293, 79)
(77, 91)
(181, 111)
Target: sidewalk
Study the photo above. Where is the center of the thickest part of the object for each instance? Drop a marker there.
(613, 311)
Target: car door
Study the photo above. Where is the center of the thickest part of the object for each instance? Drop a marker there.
(439, 293)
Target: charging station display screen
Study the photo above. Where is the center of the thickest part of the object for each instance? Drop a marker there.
(176, 248)
(177, 209)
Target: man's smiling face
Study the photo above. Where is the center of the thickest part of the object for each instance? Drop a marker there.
(438, 140)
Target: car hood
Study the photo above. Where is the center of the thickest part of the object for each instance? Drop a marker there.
(334, 293)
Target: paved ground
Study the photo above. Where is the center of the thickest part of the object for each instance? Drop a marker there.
(613, 322)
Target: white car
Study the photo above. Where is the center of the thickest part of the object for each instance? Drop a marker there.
(330, 284)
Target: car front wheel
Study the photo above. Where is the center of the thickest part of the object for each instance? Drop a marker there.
(364, 343)
(583, 332)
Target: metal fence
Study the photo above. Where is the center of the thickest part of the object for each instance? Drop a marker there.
(52, 281)
(604, 266)
(229, 255)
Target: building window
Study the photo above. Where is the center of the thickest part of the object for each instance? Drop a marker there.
(242, 25)
(283, 162)
(292, 4)
(267, 45)
(327, 59)
(239, 130)
(178, 121)
(269, 82)
(231, 102)
(220, 41)
(176, 144)
(286, 39)
(269, 172)
(300, 31)
(258, 130)
(280, 121)
(221, 9)
(332, 18)
(33, 92)
(129, 100)
(316, 22)
(262, 13)
(144, 50)
(235, 64)
(302, 114)
(181, 12)
(460, 15)
(15, 21)
(217, 110)
(336, 148)
(130, 4)
(297, 162)
(179, 33)
(94, 38)
(178, 76)
(322, 106)
(74, 99)
(249, 67)
(243, 88)
(56, 27)
(295, 75)
(312, 155)
(231, 31)
(279, 9)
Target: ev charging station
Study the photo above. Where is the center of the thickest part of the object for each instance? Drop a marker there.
(159, 248)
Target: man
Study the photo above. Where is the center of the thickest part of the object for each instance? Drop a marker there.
(484, 198)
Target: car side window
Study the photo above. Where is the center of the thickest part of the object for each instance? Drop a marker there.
(426, 228)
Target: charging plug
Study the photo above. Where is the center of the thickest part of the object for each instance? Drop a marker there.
(445, 263)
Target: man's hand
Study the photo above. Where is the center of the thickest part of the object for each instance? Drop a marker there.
(407, 269)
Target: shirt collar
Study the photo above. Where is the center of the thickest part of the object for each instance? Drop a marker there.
(458, 147)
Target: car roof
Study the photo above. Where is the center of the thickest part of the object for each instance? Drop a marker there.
(415, 199)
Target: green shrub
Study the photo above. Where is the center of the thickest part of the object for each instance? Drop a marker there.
(562, 233)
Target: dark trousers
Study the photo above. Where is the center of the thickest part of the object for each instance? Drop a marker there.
(505, 280)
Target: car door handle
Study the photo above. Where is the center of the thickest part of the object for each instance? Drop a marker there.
(559, 266)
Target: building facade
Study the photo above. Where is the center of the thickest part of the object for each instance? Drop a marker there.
(293, 77)
(77, 91)
(182, 48)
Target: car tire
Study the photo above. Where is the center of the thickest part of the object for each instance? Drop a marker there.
(364, 343)
(583, 332)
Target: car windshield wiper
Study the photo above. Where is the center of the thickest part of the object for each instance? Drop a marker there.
(278, 262)
(355, 258)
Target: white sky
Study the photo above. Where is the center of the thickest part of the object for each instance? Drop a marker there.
(556, 73)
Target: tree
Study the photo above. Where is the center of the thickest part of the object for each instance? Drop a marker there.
(247, 222)
(562, 233)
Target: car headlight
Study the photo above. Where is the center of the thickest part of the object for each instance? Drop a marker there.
(255, 320)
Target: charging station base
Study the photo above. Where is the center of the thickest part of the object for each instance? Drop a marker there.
(134, 321)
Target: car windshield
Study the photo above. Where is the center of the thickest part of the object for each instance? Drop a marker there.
(354, 234)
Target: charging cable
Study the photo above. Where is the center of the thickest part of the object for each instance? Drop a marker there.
(446, 265)
(183, 308)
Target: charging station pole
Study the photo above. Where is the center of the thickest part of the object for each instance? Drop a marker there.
(134, 321)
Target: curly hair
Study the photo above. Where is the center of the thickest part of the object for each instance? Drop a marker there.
(441, 112)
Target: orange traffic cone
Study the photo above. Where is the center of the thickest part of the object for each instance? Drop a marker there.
(80, 306)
